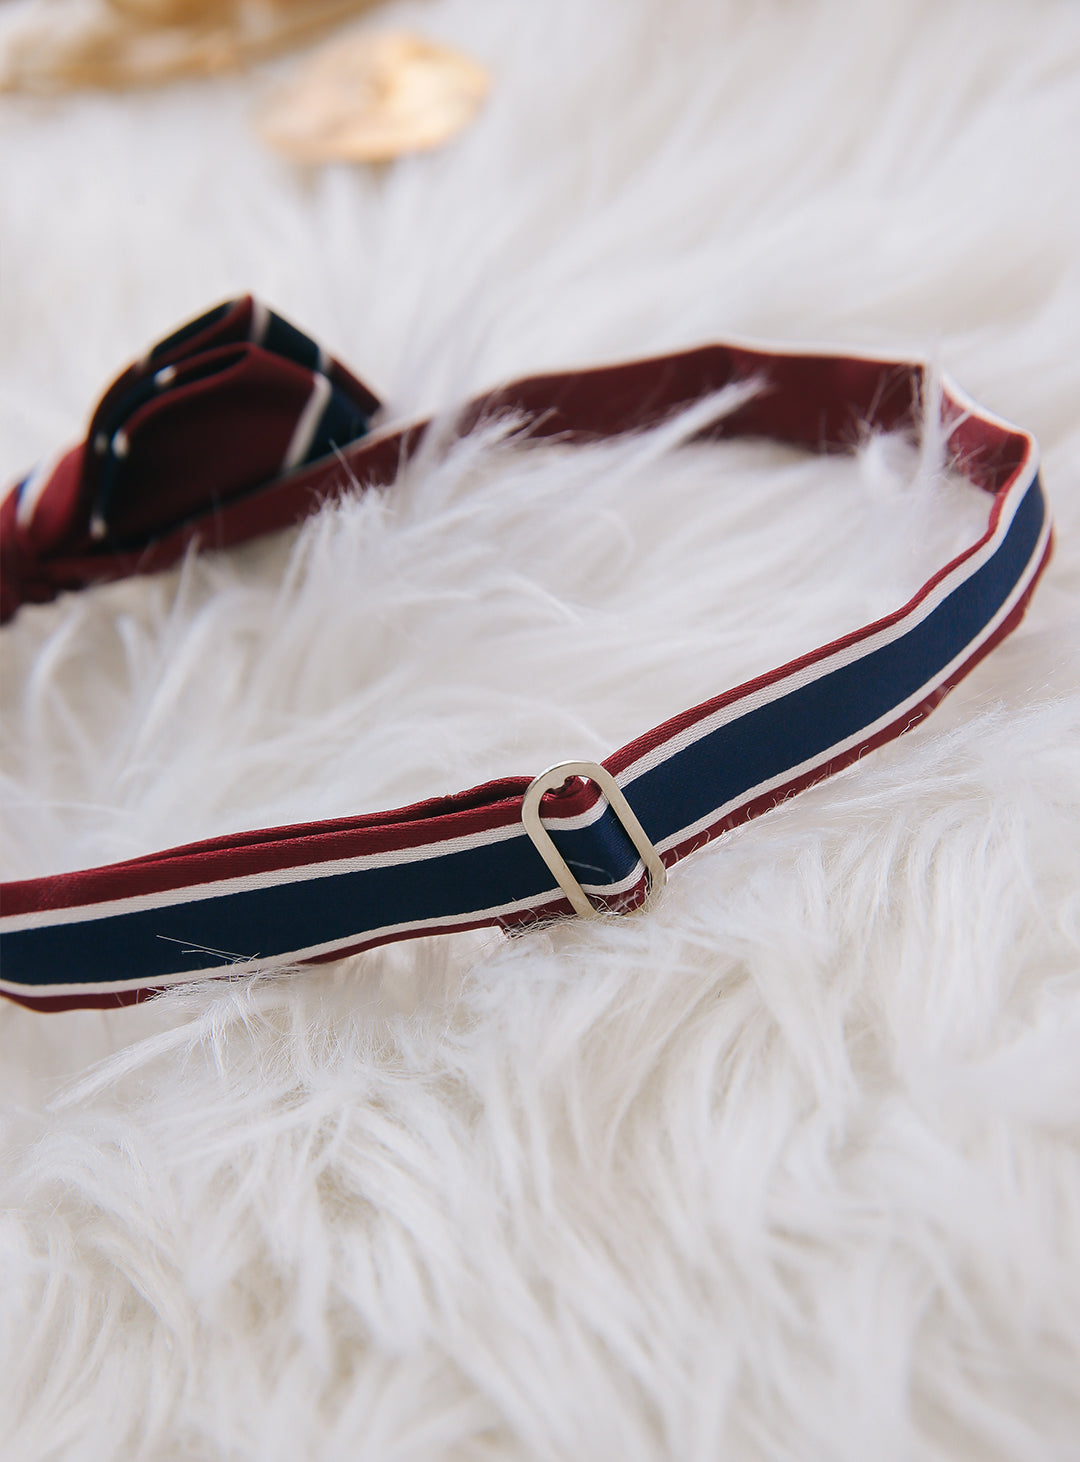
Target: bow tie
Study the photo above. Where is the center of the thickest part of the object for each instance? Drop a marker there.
(239, 424)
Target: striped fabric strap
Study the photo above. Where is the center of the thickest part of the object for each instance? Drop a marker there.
(279, 896)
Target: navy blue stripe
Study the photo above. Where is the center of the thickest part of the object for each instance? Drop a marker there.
(601, 854)
(272, 921)
(340, 424)
(264, 922)
(805, 723)
(193, 327)
(284, 339)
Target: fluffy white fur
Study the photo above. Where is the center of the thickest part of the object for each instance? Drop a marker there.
(786, 1169)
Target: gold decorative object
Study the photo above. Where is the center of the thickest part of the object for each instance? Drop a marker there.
(56, 45)
(371, 97)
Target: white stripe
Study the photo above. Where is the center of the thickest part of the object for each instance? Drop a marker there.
(247, 883)
(603, 890)
(583, 819)
(260, 322)
(866, 732)
(305, 429)
(957, 396)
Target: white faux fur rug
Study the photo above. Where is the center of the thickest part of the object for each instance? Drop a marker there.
(785, 1169)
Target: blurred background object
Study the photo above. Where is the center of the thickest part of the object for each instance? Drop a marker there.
(369, 98)
(57, 45)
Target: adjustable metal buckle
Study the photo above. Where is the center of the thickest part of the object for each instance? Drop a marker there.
(591, 771)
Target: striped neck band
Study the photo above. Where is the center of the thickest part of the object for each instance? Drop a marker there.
(239, 424)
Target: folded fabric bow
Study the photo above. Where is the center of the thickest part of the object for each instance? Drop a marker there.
(225, 429)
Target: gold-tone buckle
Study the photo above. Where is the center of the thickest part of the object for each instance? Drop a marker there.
(591, 771)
